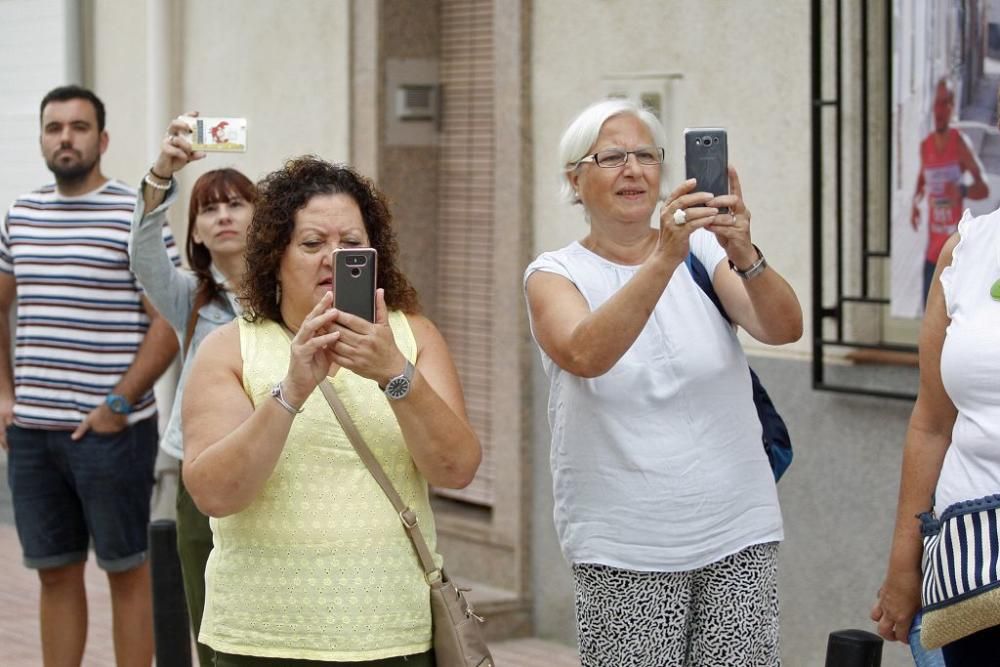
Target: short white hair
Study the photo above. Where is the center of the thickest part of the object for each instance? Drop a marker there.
(583, 131)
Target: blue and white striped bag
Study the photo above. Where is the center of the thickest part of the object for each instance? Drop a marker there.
(961, 566)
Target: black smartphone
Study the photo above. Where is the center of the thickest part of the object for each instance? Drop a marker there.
(354, 272)
(706, 159)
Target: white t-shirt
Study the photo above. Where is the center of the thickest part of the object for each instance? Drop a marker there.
(970, 364)
(657, 465)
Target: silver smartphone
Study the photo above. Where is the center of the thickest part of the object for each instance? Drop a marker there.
(354, 281)
(706, 159)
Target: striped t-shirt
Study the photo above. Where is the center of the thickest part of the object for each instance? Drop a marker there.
(79, 314)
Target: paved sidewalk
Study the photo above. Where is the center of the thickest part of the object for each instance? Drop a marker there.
(20, 645)
(19, 641)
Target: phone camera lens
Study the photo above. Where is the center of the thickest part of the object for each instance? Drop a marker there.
(355, 272)
(707, 140)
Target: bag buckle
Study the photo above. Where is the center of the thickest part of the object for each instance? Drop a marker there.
(930, 525)
(409, 518)
(469, 611)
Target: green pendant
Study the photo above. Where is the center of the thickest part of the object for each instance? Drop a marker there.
(995, 291)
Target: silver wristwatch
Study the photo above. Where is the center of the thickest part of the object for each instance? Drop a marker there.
(754, 270)
(399, 386)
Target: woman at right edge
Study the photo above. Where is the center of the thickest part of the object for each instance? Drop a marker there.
(952, 450)
(665, 503)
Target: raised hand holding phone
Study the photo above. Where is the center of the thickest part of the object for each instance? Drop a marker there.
(733, 230)
(175, 148)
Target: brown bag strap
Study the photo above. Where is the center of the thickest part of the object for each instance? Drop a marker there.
(406, 515)
(201, 298)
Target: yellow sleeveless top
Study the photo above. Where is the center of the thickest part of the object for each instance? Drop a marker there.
(318, 567)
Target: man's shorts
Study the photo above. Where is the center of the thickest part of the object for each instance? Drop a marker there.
(66, 493)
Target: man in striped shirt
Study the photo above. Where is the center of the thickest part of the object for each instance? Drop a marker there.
(78, 409)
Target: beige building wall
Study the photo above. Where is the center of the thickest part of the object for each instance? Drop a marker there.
(743, 66)
(115, 33)
(287, 72)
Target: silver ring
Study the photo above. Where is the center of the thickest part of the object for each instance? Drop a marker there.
(680, 217)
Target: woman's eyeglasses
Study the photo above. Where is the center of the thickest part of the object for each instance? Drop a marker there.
(616, 157)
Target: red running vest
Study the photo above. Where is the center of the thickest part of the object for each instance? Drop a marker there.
(942, 176)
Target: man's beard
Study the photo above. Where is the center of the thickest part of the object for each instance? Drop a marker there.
(70, 174)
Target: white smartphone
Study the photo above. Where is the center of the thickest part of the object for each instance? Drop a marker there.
(223, 135)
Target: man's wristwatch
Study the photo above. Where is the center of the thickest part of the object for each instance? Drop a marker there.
(399, 386)
(754, 270)
(118, 404)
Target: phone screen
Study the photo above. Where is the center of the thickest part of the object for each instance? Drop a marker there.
(354, 278)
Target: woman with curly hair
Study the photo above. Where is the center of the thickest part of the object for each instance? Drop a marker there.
(310, 561)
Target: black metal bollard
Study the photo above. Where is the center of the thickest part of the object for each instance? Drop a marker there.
(853, 648)
(170, 616)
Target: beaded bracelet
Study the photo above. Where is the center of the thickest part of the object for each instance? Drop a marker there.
(153, 184)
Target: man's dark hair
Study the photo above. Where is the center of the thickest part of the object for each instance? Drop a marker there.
(66, 93)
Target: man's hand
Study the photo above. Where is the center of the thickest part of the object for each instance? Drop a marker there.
(6, 419)
(100, 420)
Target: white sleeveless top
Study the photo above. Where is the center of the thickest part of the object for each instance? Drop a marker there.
(657, 465)
(970, 364)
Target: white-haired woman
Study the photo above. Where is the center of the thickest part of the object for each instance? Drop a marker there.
(665, 503)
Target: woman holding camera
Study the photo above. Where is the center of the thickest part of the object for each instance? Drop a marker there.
(311, 561)
(195, 303)
(665, 503)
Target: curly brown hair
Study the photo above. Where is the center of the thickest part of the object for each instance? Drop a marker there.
(280, 195)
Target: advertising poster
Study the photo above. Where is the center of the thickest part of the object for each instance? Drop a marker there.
(946, 146)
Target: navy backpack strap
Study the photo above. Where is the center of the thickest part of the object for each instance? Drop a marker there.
(700, 275)
(776, 441)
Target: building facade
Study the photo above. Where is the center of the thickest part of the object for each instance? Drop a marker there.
(456, 107)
